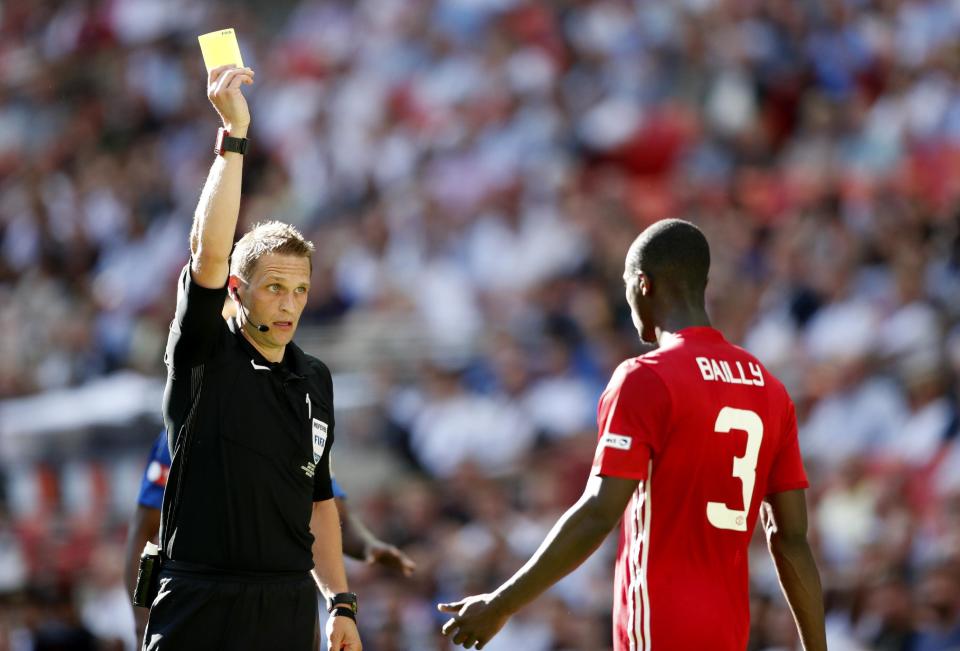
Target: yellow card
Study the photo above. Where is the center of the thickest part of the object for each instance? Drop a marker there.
(220, 48)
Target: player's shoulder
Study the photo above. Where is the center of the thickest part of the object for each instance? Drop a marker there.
(316, 365)
(712, 358)
(318, 369)
(639, 373)
(629, 366)
(761, 375)
(771, 379)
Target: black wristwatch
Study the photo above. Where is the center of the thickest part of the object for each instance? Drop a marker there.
(226, 143)
(345, 599)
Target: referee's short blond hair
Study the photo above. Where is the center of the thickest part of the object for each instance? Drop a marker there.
(264, 238)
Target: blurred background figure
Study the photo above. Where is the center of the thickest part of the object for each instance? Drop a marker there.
(472, 174)
(939, 617)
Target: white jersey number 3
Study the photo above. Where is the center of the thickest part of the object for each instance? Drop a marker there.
(744, 468)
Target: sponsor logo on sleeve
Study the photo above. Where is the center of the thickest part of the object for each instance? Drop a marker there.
(616, 441)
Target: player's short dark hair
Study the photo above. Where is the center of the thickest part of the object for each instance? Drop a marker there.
(672, 251)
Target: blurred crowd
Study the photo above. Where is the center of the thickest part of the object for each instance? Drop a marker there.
(472, 172)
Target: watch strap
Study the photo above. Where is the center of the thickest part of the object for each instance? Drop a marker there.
(225, 143)
(343, 611)
(344, 600)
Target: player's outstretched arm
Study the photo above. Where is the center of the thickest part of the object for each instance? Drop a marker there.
(575, 536)
(784, 517)
(361, 544)
(215, 220)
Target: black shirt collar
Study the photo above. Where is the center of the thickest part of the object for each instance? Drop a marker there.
(294, 360)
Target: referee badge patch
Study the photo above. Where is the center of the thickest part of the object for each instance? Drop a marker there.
(319, 439)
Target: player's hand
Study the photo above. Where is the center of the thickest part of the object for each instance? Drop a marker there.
(389, 556)
(223, 90)
(476, 619)
(342, 634)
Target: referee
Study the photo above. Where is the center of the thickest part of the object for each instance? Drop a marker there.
(248, 513)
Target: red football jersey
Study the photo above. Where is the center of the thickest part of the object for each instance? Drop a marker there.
(709, 432)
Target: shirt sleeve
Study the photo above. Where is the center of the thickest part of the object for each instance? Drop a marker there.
(322, 482)
(198, 324)
(154, 478)
(338, 491)
(787, 473)
(323, 473)
(632, 418)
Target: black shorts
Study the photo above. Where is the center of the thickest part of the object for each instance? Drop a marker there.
(197, 608)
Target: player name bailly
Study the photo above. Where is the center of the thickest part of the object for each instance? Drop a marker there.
(714, 370)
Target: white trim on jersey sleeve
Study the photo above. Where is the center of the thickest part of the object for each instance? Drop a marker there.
(638, 594)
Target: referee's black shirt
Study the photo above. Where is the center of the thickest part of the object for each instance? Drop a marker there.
(250, 441)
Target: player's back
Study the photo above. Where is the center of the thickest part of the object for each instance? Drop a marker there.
(717, 433)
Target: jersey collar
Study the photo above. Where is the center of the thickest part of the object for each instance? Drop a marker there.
(294, 359)
(693, 333)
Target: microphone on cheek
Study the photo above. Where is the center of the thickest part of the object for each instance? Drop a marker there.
(262, 327)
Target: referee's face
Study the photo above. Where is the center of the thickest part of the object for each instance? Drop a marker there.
(275, 296)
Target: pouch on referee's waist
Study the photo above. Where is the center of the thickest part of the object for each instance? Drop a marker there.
(148, 576)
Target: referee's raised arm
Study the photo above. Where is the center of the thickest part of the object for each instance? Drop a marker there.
(198, 326)
(215, 220)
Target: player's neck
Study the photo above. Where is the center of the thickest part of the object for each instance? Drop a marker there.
(270, 353)
(678, 319)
